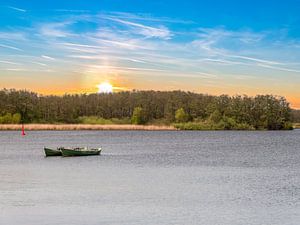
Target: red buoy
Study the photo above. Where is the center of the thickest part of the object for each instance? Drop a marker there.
(23, 130)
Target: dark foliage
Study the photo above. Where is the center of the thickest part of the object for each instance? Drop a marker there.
(296, 116)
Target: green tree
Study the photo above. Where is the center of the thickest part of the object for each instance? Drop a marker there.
(7, 118)
(138, 116)
(181, 116)
(216, 116)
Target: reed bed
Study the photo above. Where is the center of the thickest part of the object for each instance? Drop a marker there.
(296, 125)
(84, 127)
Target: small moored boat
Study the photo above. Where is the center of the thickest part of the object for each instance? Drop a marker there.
(52, 152)
(80, 151)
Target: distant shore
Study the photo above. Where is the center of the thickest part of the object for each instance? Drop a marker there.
(84, 127)
(58, 127)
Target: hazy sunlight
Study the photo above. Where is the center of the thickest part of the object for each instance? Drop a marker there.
(105, 87)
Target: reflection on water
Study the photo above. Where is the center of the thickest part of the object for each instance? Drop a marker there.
(149, 177)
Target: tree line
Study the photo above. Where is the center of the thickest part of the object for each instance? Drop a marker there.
(148, 107)
(295, 115)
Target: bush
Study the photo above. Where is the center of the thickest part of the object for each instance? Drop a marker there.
(192, 126)
(16, 118)
(223, 124)
(93, 120)
(229, 123)
(288, 126)
(216, 116)
(138, 116)
(244, 126)
(102, 121)
(198, 126)
(8, 118)
(181, 116)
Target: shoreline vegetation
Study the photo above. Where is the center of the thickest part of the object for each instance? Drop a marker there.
(84, 127)
(145, 110)
(65, 127)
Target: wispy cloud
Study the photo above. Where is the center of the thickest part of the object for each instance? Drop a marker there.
(24, 69)
(124, 68)
(147, 31)
(144, 17)
(16, 69)
(20, 36)
(80, 45)
(39, 63)
(255, 59)
(17, 9)
(71, 11)
(10, 47)
(47, 57)
(279, 68)
(8, 62)
(55, 29)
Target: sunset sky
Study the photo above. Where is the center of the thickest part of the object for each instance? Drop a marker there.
(214, 47)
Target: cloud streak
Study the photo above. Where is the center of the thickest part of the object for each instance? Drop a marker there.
(17, 9)
(47, 57)
(10, 47)
(10, 63)
(147, 31)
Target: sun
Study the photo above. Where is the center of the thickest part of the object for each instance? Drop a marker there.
(105, 87)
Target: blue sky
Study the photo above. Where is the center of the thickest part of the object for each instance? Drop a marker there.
(231, 47)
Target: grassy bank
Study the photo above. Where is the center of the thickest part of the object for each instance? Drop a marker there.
(84, 127)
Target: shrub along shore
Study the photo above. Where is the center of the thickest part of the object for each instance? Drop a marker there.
(146, 110)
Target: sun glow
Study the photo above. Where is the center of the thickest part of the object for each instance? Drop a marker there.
(105, 87)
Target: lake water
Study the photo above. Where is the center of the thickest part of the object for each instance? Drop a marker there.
(145, 177)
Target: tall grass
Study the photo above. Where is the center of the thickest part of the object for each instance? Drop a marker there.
(297, 125)
(84, 127)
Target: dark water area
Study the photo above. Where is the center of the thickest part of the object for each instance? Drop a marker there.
(152, 177)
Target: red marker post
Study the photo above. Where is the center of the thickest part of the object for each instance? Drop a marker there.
(23, 130)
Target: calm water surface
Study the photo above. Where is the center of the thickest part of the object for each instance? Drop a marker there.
(209, 178)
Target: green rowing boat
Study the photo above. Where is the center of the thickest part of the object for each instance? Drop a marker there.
(80, 151)
(52, 152)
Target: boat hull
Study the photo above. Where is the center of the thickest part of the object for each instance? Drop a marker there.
(52, 152)
(72, 152)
